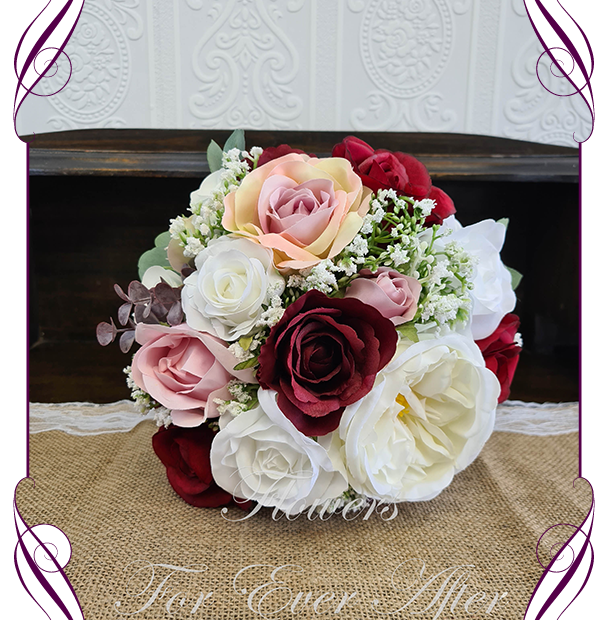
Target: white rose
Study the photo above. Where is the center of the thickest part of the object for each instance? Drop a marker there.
(493, 295)
(154, 274)
(224, 296)
(428, 416)
(260, 455)
(210, 183)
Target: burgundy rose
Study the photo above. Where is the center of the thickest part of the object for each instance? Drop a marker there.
(323, 355)
(382, 169)
(274, 152)
(185, 454)
(501, 353)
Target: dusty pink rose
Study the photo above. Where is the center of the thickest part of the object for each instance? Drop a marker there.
(394, 295)
(184, 370)
(304, 209)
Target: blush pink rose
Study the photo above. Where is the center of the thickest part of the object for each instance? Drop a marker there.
(394, 295)
(184, 370)
(303, 208)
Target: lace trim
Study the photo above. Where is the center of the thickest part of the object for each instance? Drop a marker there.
(513, 416)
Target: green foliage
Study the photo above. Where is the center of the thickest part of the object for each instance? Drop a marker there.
(214, 156)
(250, 363)
(236, 140)
(515, 277)
(156, 256)
(409, 331)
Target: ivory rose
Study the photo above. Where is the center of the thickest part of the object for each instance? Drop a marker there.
(260, 455)
(305, 209)
(394, 295)
(429, 414)
(183, 370)
(234, 278)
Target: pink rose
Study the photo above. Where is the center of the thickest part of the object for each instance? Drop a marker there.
(184, 370)
(304, 209)
(394, 295)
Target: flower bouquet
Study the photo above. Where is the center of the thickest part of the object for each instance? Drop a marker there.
(319, 333)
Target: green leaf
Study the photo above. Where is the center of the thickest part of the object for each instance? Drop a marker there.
(245, 342)
(409, 331)
(156, 256)
(236, 140)
(504, 221)
(515, 277)
(214, 156)
(247, 364)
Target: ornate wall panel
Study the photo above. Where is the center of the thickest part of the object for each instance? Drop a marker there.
(466, 66)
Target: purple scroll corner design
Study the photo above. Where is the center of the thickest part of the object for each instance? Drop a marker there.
(578, 71)
(39, 50)
(568, 572)
(45, 73)
(41, 554)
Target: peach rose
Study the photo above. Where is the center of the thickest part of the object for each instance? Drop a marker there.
(394, 295)
(303, 208)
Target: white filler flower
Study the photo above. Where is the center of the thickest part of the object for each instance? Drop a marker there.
(492, 295)
(429, 414)
(260, 455)
(224, 296)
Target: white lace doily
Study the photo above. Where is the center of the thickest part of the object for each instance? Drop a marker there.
(513, 416)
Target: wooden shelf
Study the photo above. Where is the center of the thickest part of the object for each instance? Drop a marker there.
(180, 153)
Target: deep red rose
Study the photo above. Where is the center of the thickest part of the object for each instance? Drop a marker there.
(185, 454)
(501, 354)
(323, 355)
(274, 152)
(382, 169)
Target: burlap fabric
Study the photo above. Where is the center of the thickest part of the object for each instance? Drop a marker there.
(109, 494)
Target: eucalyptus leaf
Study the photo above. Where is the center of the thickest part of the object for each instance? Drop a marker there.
(156, 256)
(214, 156)
(515, 277)
(236, 140)
(504, 221)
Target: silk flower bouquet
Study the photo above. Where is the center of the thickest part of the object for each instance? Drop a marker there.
(319, 333)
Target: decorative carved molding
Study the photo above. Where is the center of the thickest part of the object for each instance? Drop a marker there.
(246, 67)
(100, 69)
(406, 45)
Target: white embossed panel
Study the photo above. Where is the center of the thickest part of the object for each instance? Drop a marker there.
(466, 66)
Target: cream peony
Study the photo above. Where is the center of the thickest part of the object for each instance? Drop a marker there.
(428, 416)
(233, 278)
(260, 455)
(493, 296)
(305, 209)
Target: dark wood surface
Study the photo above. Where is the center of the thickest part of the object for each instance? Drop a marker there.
(87, 232)
(181, 153)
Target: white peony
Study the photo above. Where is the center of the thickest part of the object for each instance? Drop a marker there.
(493, 295)
(260, 455)
(233, 278)
(429, 414)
